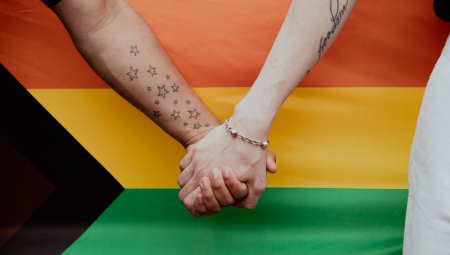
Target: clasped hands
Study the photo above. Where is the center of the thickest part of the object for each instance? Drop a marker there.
(220, 170)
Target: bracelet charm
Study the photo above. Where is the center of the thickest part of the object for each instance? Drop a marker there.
(234, 133)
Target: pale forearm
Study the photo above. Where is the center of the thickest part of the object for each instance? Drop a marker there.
(307, 33)
(123, 50)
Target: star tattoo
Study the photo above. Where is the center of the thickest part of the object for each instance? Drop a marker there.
(185, 124)
(134, 50)
(162, 91)
(149, 88)
(157, 102)
(175, 114)
(207, 125)
(175, 87)
(197, 126)
(167, 76)
(152, 71)
(157, 114)
(194, 114)
(175, 102)
(188, 102)
(132, 73)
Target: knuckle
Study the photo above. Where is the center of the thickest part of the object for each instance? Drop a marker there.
(228, 202)
(187, 204)
(208, 196)
(260, 189)
(248, 206)
(216, 210)
(201, 210)
(180, 183)
(200, 172)
(216, 185)
(241, 194)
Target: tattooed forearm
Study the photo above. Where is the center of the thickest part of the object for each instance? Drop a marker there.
(163, 92)
(335, 18)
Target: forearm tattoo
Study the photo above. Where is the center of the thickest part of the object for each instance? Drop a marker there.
(335, 18)
(152, 71)
(134, 50)
(162, 91)
(163, 94)
(132, 73)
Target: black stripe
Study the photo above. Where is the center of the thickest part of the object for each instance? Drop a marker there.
(84, 188)
(50, 3)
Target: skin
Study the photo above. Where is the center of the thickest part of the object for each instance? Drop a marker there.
(308, 31)
(124, 51)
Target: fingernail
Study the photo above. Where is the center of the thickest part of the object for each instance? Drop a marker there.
(200, 200)
(214, 173)
(205, 183)
(226, 173)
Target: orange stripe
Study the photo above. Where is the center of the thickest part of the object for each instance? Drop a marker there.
(225, 43)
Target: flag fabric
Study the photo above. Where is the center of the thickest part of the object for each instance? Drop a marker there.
(87, 173)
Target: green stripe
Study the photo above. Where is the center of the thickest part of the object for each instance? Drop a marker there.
(286, 221)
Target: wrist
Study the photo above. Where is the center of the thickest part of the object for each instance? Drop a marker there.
(250, 122)
(195, 137)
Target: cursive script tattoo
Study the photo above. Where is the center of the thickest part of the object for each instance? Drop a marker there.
(336, 19)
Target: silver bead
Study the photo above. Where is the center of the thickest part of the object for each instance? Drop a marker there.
(265, 144)
(233, 132)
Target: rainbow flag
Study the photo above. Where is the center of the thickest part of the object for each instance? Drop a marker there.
(84, 172)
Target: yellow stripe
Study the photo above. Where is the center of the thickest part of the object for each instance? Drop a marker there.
(323, 137)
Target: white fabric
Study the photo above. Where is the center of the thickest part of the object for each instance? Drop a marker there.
(427, 228)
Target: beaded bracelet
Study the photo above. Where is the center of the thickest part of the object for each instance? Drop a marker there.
(234, 133)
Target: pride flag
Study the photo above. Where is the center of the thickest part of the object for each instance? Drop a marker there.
(84, 172)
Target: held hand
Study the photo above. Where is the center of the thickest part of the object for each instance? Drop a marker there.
(218, 149)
